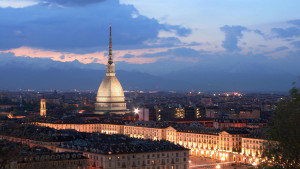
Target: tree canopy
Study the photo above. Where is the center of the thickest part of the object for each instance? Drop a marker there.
(283, 148)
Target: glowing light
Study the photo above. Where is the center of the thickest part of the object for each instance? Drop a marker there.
(254, 164)
(218, 166)
(223, 159)
(136, 110)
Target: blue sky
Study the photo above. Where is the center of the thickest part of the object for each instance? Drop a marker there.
(155, 36)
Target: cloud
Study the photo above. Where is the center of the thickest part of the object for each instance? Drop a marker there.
(181, 31)
(168, 42)
(128, 56)
(295, 22)
(296, 44)
(186, 52)
(79, 28)
(232, 36)
(163, 42)
(138, 56)
(262, 46)
(286, 32)
(17, 3)
(70, 2)
(177, 54)
(258, 32)
(289, 33)
(61, 3)
(280, 49)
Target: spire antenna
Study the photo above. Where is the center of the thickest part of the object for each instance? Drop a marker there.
(110, 61)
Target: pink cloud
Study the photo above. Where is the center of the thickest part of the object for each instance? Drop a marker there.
(96, 57)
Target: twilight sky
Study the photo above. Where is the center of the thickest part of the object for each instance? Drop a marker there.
(156, 37)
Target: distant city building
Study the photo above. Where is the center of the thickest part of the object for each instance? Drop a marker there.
(43, 107)
(212, 112)
(41, 158)
(110, 97)
(166, 114)
(66, 160)
(238, 123)
(249, 114)
(206, 101)
(194, 112)
(179, 113)
(144, 114)
(53, 100)
(152, 114)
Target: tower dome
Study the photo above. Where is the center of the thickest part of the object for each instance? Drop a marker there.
(110, 97)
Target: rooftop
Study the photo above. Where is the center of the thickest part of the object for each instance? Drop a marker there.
(149, 124)
(119, 144)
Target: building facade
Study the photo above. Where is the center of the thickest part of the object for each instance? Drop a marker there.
(88, 127)
(221, 145)
(144, 160)
(65, 160)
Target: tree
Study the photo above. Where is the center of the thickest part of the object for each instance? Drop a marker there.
(283, 148)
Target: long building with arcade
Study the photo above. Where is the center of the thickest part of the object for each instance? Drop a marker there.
(237, 145)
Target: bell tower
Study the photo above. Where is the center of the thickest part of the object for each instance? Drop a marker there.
(43, 107)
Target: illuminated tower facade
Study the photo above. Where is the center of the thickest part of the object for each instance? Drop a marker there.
(110, 97)
(43, 107)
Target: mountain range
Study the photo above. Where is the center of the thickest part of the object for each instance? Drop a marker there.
(45, 74)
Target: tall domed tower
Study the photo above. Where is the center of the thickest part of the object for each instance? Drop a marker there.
(110, 97)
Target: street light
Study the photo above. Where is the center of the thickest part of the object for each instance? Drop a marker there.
(218, 166)
(136, 110)
(223, 159)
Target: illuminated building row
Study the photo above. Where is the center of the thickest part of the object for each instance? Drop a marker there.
(223, 146)
(147, 160)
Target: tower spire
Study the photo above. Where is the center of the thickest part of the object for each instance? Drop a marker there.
(110, 60)
(110, 67)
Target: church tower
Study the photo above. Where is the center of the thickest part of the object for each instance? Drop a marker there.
(110, 97)
(43, 107)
